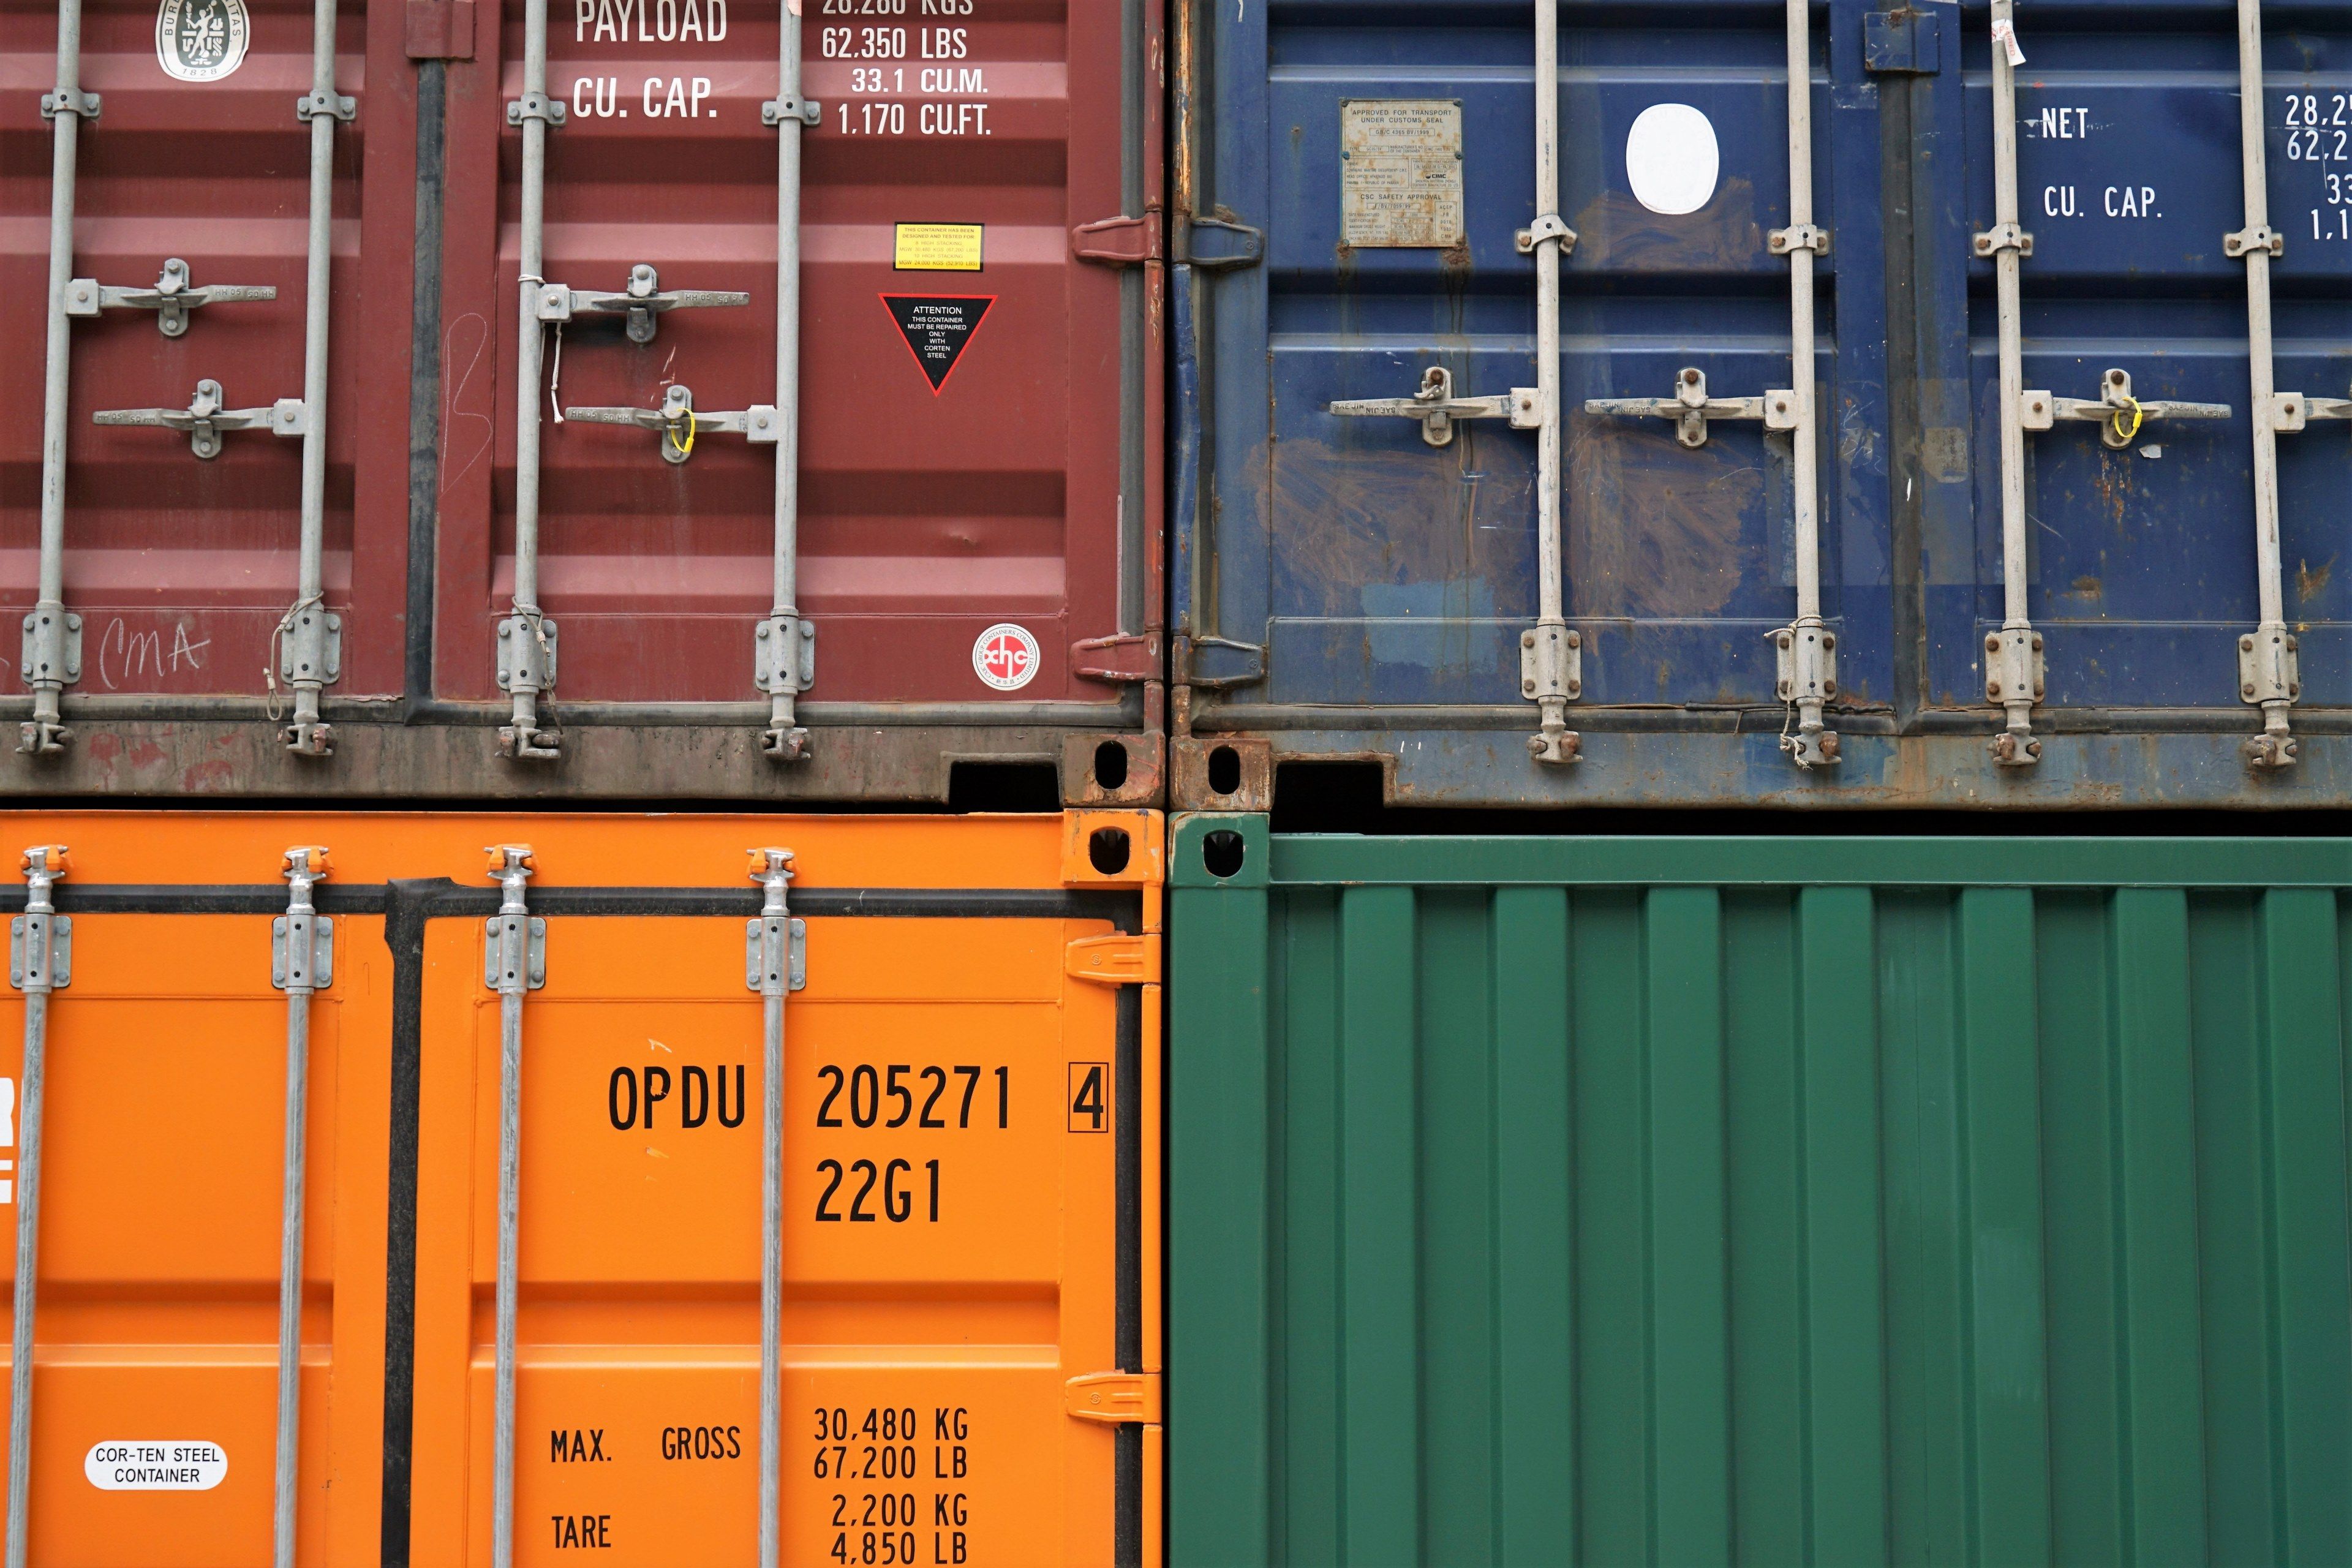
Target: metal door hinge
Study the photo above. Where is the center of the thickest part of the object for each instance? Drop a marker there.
(172, 298)
(1213, 243)
(40, 951)
(1118, 960)
(1119, 241)
(439, 30)
(1691, 408)
(769, 941)
(1212, 664)
(206, 420)
(1437, 408)
(1901, 42)
(1113, 1396)
(1132, 656)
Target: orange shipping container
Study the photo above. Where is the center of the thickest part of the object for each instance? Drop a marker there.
(964, 1279)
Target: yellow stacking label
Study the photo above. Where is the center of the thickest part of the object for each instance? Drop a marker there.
(937, 248)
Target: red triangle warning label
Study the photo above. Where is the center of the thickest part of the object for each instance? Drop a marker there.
(938, 329)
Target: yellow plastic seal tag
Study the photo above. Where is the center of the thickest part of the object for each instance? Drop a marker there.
(937, 248)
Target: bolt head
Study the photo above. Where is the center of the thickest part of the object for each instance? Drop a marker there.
(1828, 642)
(1992, 687)
(1993, 645)
(2245, 644)
(2247, 690)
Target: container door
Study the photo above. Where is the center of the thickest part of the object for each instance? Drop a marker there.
(2141, 558)
(962, 1290)
(1388, 575)
(193, 182)
(155, 1380)
(977, 423)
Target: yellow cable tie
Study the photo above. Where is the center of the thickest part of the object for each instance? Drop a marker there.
(2136, 417)
(685, 449)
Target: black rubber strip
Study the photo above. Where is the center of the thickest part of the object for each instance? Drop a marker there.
(424, 390)
(408, 906)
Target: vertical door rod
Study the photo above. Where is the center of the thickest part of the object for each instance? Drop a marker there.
(307, 646)
(1807, 649)
(526, 641)
(774, 967)
(514, 962)
(41, 960)
(52, 647)
(303, 963)
(783, 648)
(2014, 662)
(1549, 666)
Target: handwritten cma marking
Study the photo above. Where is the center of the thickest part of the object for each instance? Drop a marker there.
(130, 655)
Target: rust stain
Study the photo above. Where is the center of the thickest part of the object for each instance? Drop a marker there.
(206, 778)
(2089, 588)
(1617, 232)
(2114, 483)
(1354, 515)
(1654, 528)
(2311, 582)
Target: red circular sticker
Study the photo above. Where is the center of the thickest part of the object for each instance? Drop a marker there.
(1005, 656)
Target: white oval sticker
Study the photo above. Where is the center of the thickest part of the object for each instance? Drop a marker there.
(1672, 159)
(201, 40)
(154, 1465)
(1005, 656)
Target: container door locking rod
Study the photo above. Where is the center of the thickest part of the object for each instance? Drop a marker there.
(2269, 672)
(1551, 656)
(52, 647)
(783, 645)
(41, 960)
(776, 963)
(1806, 648)
(514, 962)
(302, 961)
(526, 639)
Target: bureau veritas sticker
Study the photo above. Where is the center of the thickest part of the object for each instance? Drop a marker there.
(150, 1465)
(1005, 656)
(938, 329)
(201, 40)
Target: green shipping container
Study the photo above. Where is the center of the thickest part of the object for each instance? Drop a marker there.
(1699, 1201)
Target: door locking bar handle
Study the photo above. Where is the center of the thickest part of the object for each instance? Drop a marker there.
(206, 420)
(680, 423)
(1692, 409)
(2116, 411)
(172, 298)
(1437, 408)
(641, 300)
(2292, 412)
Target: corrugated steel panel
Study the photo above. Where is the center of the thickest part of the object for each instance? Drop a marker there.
(1378, 587)
(1014, 483)
(1710, 1200)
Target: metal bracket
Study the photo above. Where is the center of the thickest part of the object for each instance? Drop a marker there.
(52, 644)
(1691, 408)
(783, 654)
(56, 103)
(1552, 663)
(1115, 960)
(171, 299)
(508, 951)
(1214, 664)
(680, 423)
(306, 950)
(527, 646)
(40, 951)
(1213, 243)
(535, 106)
(312, 105)
(642, 299)
(1805, 662)
(1437, 408)
(775, 111)
(1903, 42)
(1129, 241)
(765, 938)
(2013, 665)
(2114, 407)
(2005, 236)
(1113, 1398)
(1799, 236)
(206, 421)
(2268, 667)
(2291, 412)
(1551, 226)
(1134, 656)
(313, 649)
(2248, 240)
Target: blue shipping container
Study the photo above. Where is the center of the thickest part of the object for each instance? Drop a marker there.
(1353, 181)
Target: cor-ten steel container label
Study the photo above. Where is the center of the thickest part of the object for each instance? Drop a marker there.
(1401, 171)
